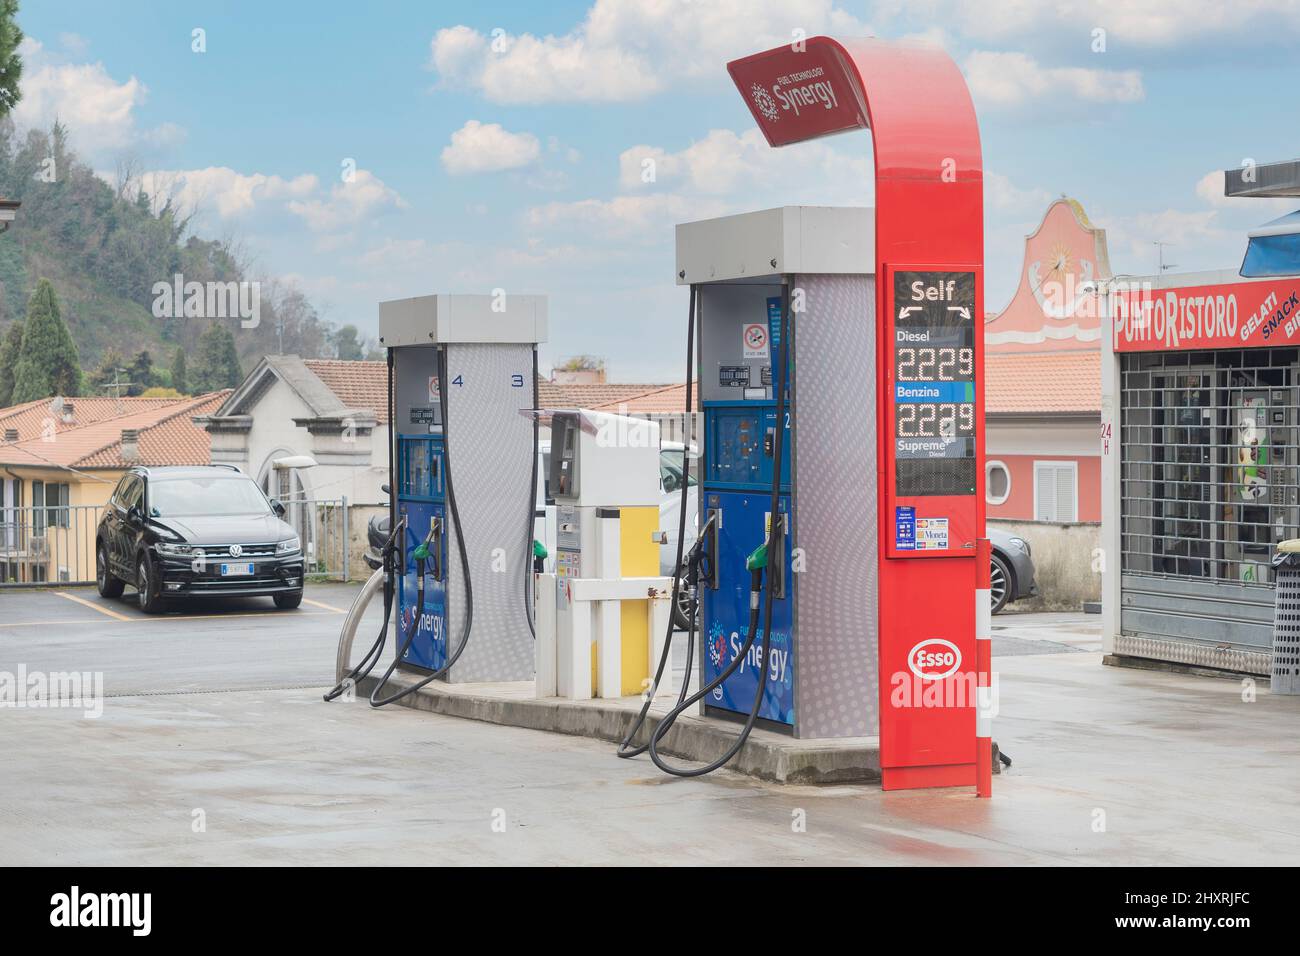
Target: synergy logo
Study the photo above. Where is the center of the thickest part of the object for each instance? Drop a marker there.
(763, 102)
(934, 659)
(717, 647)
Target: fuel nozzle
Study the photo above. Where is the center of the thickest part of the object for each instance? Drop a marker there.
(755, 564)
(427, 552)
(540, 554)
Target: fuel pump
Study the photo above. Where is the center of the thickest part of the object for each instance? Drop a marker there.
(462, 391)
(874, 536)
(768, 557)
(793, 365)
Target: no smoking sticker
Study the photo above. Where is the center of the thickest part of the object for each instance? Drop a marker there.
(755, 341)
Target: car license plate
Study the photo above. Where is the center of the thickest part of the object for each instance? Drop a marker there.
(231, 570)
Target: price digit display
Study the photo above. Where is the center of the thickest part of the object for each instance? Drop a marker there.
(934, 383)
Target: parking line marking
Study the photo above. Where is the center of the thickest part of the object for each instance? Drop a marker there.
(212, 617)
(328, 607)
(93, 606)
(71, 620)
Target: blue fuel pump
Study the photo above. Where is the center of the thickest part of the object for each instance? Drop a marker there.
(725, 508)
(462, 372)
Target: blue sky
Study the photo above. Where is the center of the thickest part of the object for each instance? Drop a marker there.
(511, 159)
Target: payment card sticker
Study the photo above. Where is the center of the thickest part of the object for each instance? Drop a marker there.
(905, 528)
(931, 534)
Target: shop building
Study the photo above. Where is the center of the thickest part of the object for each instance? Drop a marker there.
(1200, 461)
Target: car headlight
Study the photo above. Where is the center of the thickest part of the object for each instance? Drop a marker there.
(1020, 543)
(288, 546)
(174, 549)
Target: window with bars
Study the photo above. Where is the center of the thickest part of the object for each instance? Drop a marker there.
(1208, 468)
(1056, 491)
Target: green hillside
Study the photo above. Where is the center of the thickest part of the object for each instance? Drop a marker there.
(103, 249)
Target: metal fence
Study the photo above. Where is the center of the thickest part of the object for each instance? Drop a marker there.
(323, 527)
(52, 545)
(1211, 463)
(55, 545)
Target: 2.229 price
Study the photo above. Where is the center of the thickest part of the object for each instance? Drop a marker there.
(935, 364)
(935, 419)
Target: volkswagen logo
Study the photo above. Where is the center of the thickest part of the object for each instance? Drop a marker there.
(236, 550)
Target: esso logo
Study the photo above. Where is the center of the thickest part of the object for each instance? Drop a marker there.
(934, 659)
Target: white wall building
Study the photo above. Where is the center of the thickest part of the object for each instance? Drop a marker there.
(333, 411)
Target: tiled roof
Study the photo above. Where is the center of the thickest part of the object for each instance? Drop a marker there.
(32, 418)
(167, 437)
(174, 440)
(553, 395)
(357, 384)
(659, 400)
(1043, 382)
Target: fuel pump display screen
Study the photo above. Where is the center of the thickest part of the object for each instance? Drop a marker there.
(934, 383)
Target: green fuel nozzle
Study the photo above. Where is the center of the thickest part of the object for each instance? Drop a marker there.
(421, 552)
(757, 559)
(539, 550)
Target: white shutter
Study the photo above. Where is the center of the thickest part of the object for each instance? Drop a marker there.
(1056, 493)
(1067, 504)
(1044, 493)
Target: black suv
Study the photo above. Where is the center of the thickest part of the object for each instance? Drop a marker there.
(180, 532)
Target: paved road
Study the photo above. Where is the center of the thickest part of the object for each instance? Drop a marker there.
(215, 716)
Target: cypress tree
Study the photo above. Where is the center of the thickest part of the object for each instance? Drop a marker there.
(47, 360)
(9, 347)
(179, 380)
(217, 363)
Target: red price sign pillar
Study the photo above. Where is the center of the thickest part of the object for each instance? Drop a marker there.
(930, 361)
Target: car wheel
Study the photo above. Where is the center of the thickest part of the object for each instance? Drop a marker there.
(686, 606)
(999, 583)
(287, 602)
(105, 582)
(146, 587)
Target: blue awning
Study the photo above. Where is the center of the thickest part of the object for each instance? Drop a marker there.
(1274, 248)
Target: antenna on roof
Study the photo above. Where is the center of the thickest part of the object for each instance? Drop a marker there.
(1163, 267)
(117, 385)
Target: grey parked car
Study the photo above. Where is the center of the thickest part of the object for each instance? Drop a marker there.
(1012, 575)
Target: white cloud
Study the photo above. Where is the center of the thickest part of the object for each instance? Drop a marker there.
(648, 218)
(722, 173)
(396, 254)
(226, 191)
(99, 111)
(725, 162)
(1148, 24)
(74, 43)
(348, 203)
(627, 51)
(488, 147)
(1010, 80)
(1004, 196)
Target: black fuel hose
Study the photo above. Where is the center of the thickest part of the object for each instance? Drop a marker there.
(625, 748)
(375, 700)
(396, 530)
(371, 658)
(755, 586)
